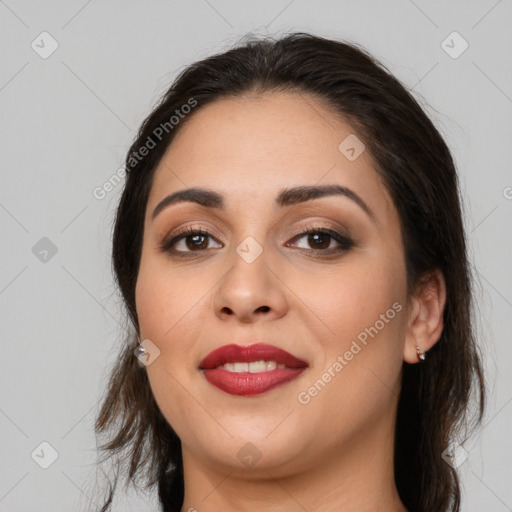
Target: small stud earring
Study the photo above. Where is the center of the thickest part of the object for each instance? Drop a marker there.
(421, 353)
(140, 349)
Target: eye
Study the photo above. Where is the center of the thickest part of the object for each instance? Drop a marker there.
(320, 240)
(187, 241)
(323, 240)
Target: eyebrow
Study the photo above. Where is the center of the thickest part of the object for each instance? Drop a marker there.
(287, 197)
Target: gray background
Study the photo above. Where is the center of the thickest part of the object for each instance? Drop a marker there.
(66, 123)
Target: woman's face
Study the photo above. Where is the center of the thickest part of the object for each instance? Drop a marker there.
(339, 306)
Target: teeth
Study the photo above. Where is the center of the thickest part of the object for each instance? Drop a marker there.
(241, 367)
(253, 367)
(271, 365)
(257, 366)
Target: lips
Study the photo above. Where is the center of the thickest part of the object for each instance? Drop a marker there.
(246, 383)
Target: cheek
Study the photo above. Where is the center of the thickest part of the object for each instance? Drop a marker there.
(165, 300)
(154, 297)
(170, 314)
(361, 333)
(356, 379)
(353, 298)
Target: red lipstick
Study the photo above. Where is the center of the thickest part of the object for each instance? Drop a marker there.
(258, 380)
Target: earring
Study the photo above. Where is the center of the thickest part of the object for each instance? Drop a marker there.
(421, 353)
(140, 350)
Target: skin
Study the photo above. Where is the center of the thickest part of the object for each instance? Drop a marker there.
(336, 451)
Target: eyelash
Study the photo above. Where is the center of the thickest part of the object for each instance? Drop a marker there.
(344, 243)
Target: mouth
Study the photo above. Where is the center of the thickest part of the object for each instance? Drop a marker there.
(250, 370)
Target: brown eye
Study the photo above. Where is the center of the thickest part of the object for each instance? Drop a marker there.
(319, 240)
(196, 242)
(323, 241)
(188, 241)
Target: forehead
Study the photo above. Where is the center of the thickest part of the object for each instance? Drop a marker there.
(253, 146)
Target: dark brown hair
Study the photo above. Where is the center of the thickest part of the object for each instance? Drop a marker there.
(416, 167)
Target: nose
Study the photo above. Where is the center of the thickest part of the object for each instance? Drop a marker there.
(250, 292)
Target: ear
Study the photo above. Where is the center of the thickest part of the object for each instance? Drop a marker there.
(425, 317)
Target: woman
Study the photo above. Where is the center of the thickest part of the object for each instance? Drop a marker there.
(290, 249)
